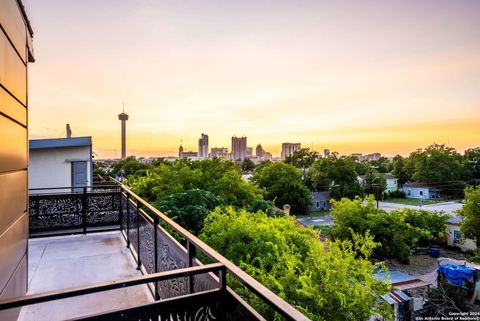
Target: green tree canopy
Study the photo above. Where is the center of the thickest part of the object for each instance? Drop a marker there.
(283, 185)
(129, 166)
(248, 165)
(335, 284)
(470, 226)
(375, 183)
(219, 177)
(189, 208)
(396, 231)
(337, 174)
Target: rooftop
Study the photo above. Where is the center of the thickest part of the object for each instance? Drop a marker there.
(60, 142)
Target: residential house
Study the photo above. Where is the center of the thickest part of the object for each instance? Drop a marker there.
(454, 235)
(320, 201)
(421, 191)
(60, 162)
(392, 182)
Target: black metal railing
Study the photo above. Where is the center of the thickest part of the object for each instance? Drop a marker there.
(170, 267)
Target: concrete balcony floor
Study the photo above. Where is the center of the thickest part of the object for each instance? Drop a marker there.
(57, 263)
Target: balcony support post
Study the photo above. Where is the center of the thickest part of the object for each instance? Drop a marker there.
(128, 219)
(84, 209)
(155, 249)
(120, 208)
(192, 253)
(139, 262)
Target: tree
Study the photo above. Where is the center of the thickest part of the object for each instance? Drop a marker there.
(375, 183)
(219, 177)
(470, 225)
(337, 174)
(334, 284)
(248, 165)
(399, 170)
(283, 185)
(190, 208)
(302, 159)
(472, 165)
(129, 166)
(396, 231)
(437, 164)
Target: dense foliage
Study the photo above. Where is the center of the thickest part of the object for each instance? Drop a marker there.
(337, 174)
(396, 231)
(334, 284)
(470, 226)
(216, 176)
(128, 167)
(283, 185)
(190, 208)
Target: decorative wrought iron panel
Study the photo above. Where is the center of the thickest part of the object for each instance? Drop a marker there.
(132, 235)
(147, 250)
(65, 211)
(103, 209)
(170, 256)
(55, 212)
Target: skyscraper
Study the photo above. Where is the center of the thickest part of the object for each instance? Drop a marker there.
(203, 146)
(289, 148)
(239, 148)
(259, 151)
(123, 118)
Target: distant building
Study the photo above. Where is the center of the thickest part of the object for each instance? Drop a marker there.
(289, 148)
(123, 118)
(326, 153)
(220, 152)
(203, 146)
(239, 148)
(454, 235)
(249, 152)
(180, 151)
(60, 162)
(320, 201)
(421, 191)
(358, 156)
(392, 182)
(259, 151)
(268, 156)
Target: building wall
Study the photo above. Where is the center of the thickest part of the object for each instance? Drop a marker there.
(452, 229)
(15, 51)
(415, 192)
(392, 185)
(289, 148)
(52, 167)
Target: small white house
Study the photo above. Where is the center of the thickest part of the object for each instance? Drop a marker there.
(60, 162)
(454, 236)
(392, 182)
(421, 191)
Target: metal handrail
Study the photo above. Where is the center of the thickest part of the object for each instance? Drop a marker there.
(278, 304)
(105, 286)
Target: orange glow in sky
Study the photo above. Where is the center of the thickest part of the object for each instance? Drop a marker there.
(358, 76)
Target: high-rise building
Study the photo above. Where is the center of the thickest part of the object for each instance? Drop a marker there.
(15, 53)
(203, 146)
(239, 148)
(326, 153)
(219, 152)
(123, 118)
(289, 148)
(249, 152)
(180, 151)
(259, 151)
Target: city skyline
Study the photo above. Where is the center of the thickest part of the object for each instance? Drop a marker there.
(365, 77)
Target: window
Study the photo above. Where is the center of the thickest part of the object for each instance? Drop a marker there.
(409, 192)
(457, 236)
(421, 193)
(318, 204)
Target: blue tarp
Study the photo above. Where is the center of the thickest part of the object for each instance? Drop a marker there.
(457, 274)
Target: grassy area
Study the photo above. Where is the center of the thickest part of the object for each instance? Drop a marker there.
(410, 201)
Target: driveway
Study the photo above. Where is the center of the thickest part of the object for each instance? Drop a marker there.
(446, 207)
(316, 220)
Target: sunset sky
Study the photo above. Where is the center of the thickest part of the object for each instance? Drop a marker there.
(352, 76)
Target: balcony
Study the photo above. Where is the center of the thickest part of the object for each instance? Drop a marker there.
(104, 253)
